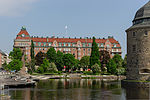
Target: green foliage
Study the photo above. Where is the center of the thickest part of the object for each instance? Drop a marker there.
(111, 67)
(40, 70)
(121, 71)
(4, 65)
(39, 58)
(51, 55)
(94, 58)
(32, 50)
(85, 62)
(96, 69)
(59, 60)
(45, 65)
(52, 67)
(15, 65)
(104, 59)
(87, 72)
(118, 60)
(16, 54)
(69, 61)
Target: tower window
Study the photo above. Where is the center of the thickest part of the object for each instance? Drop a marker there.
(134, 48)
(134, 34)
(146, 33)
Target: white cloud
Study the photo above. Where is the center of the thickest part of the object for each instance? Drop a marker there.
(15, 7)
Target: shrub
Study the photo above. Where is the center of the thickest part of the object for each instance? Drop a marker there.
(96, 68)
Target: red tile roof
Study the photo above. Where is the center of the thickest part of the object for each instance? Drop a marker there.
(23, 32)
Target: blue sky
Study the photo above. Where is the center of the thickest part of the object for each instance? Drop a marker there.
(99, 18)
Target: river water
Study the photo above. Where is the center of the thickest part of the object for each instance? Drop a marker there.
(78, 89)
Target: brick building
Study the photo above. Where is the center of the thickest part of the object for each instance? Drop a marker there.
(77, 46)
(3, 58)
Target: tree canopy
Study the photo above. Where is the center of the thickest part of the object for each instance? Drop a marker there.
(51, 55)
(59, 60)
(16, 54)
(111, 67)
(85, 62)
(69, 61)
(15, 64)
(32, 50)
(94, 58)
(39, 58)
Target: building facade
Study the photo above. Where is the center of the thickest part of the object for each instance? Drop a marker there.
(138, 45)
(3, 58)
(77, 46)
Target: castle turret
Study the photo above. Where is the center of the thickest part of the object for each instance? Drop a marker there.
(138, 45)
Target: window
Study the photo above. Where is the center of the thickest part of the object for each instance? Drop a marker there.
(98, 44)
(133, 48)
(44, 44)
(60, 44)
(39, 43)
(89, 44)
(145, 33)
(69, 44)
(102, 45)
(83, 44)
(134, 34)
(64, 44)
(73, 44)
(50, 44)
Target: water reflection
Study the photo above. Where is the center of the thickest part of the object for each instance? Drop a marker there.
(137, 93)
(76, 89)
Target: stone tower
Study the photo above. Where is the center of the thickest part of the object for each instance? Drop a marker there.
(138, 46)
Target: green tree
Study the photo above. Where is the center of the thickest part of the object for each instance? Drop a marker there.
(104, 59)
(45, 65)
(85, 62)
(111, 67)
(51, 55)
(32, 50)
(96, 68)
(4, 65)
(52, 67)
(59, 61)
(94, 58)
(69, 61)
(16, 54)
(15, 64)
(118, 60)
(39, 58)
(40, 70)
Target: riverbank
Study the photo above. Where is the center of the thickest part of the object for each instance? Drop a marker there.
(78, 76)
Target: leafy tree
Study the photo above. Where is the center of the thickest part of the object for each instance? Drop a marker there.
(69, 61)
(45, 65)
(32, 50)
(85, 62)
(4, 65)
(39, 58)
(16, 54)
(94, 58)
(104, 58)
(59, 60)
(76, 65)
(52, 67)
(51, 55)
(118, 60)
(15, 64)
(111, 67)
(96, 68)
(40, 70)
